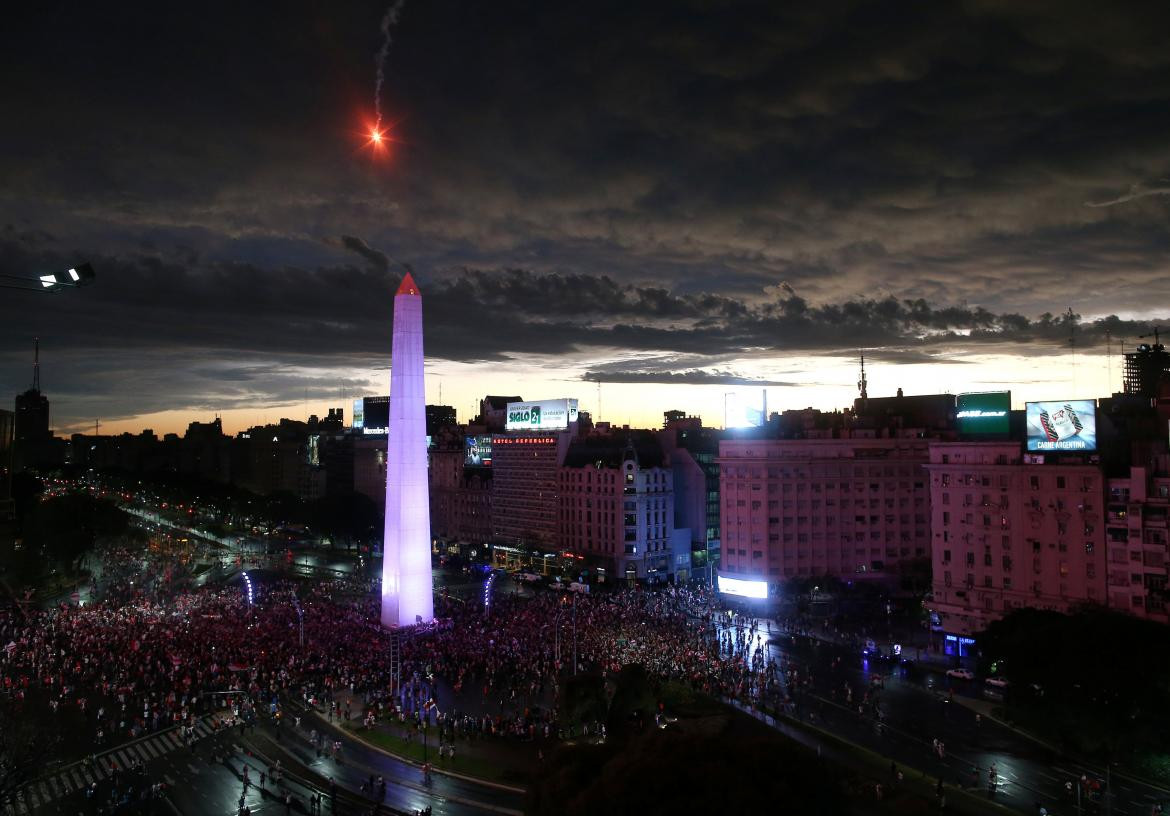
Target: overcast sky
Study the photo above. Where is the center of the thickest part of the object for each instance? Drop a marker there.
(677, 199)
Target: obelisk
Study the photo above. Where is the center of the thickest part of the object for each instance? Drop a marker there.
(406, 552)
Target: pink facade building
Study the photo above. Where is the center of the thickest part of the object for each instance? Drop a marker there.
(461, 497)
(617, 507)
(1137, 539)
(854, 508)
(1010, 532)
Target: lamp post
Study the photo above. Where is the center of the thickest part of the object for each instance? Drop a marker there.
(80, 275)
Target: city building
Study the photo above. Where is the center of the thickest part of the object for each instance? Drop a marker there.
(493, 412)
(1137, 540)
(855, 508)
(1012, 530)
(525, 467)
(34, 445)
(461, 492)
(1146, 368)
(692, 451)
(439, 416)
(616, 508)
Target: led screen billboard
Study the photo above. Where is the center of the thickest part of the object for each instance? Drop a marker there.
(743, 588)
(478, 451)
(1062, 426)
(984, 414)
(359, 413)
(740, 413)
(546, 415)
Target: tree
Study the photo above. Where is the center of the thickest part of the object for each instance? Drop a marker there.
(582, 699)
(26, 492)
(65, 527)
(633, 704)
(1097, 678)
(727, 763)
(347, 517)
(24, 748)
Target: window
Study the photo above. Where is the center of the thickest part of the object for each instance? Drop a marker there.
(1060, 483)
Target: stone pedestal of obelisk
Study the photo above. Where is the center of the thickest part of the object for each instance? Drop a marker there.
(407, 596)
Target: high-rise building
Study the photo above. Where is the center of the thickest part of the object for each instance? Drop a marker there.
(407, 596)
(1137, 541)
(1011, 530)
(1145, 369)
(524, 487)
(692, 451)
(31, 435)
(852, 508)
(439, 416)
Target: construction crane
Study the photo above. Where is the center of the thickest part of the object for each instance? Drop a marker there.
(1154, 334)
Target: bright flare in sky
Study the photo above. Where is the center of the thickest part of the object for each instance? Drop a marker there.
(376, 136)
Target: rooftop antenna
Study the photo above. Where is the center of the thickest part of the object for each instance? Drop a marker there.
(1109, 356)
(36, 386)
(1072, 345)
(1154, 334)
(863, 383)
(599, 398)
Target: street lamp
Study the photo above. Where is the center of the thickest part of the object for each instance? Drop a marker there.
(72, 278)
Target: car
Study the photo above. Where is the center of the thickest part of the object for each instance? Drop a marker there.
(961, 674)
(998, 682)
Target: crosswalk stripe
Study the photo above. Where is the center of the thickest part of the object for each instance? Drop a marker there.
(201, 729)
(46, 795)
(77, 779)
(123, 759)
(32, 797)
(87, 775)
(140, 752)
(21, 807)
(63, 783)
(54, 788)
(152, 748)
(97, 771)
(169, 740)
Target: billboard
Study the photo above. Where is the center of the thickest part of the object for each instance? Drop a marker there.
(545, 415)
(1062, 426)
(739, 412)
(984, 414)
(743, 588)
(359, 413)
(477, 451)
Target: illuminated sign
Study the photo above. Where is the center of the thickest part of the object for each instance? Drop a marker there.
(359, 413)
(743, 588)
(739, 413)
(478, 451)
(984, 414)
(1062, 426)
(546, 415)
(497, 441)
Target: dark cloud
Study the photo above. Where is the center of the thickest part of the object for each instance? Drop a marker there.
(681, 378)
(674, 178)
(377, 259)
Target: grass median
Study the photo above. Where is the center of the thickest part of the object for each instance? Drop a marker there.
(471, 763)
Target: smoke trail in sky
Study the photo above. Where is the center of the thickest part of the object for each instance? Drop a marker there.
(1140, 190)
(388, 20)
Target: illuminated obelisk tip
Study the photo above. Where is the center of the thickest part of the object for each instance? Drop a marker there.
(406, 561)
